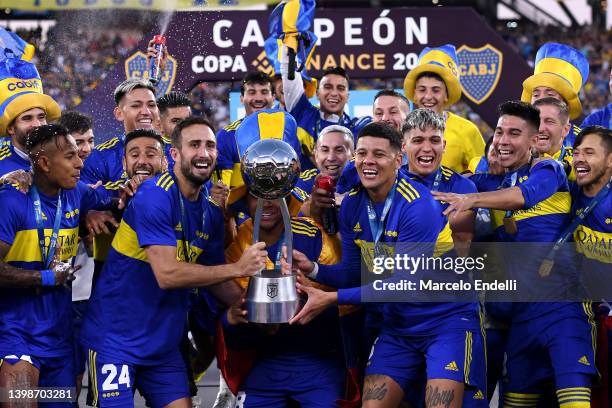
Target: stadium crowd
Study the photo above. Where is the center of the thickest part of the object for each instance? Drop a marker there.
(129, 261)
(92, 53)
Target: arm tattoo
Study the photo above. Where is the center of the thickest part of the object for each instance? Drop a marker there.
(374, 390)
(435, 397)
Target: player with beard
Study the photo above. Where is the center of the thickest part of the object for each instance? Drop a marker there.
(389, 208)
(592, 217)
(593, 166)
(531, 204)
(22, 114)
(35, 313)
(143, 158)
(170, 239)
(136, 108)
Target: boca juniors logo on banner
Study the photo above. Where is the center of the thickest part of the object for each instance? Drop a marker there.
(136, 67)
(480, 70)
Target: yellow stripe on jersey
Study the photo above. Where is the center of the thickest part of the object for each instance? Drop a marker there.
(271, 125)
(444, 242)
(298, 229)
(303, 195)
(308, 174)
(108, 144)
(233, 126)
(166, 139)
(114, 185)
(406, 196)
(593, 244)
(126, 243)
(236, 180)
(304, 226)
(25, 246)
(354, 191)
(558, 203)
(446, 172)
(306, 141)
(409, 187)
(162, 179)
(167, 184)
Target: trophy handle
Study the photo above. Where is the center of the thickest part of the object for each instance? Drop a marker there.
(288, 232)
(257, 220)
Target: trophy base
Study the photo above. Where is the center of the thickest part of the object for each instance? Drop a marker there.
(271, 298)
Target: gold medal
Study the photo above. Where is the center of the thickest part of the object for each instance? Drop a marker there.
(546, 267)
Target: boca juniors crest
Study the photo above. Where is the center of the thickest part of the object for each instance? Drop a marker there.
(136, 67)
(480, 70)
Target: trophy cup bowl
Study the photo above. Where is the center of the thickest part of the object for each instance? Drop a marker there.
(270, 168)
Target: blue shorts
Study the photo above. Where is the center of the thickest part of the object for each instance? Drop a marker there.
(53, 372)
(553, 346)
(113, 382)
(317, 385)
(457, 355)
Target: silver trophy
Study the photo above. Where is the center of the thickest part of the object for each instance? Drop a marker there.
(270, 168)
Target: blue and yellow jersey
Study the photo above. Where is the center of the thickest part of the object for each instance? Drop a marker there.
(5, 141)
(105, 163)
(10, 160)
(570, 138)
(102, 242)
(542, 220)
(310, 124)
(296, 340)
(547, 201)
(38, 321)
(463, 143)
(414, 220)
(593, 238)
(228, 159)
(450, 182)
(303, 187)
(130, 318)
(478, 165)
(568, 156)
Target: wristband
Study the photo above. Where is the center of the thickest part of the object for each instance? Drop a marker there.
(314, 272)
(47, 277)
